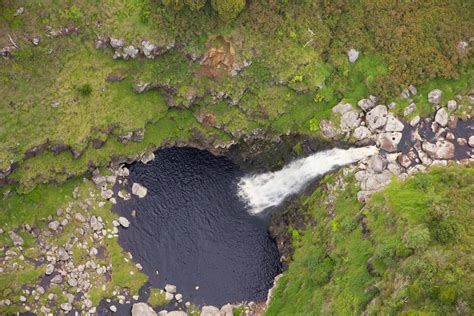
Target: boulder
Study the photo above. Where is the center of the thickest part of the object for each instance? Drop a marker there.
(66, 307)
(434, 96)
(210, 310)
(139, 190)
(377, 117)
(441, 117)
(393, 124)
(54, 225)
(142, 309)
(227, 310)
(414, 121)
(124, 222)
(149, 49)
(327, 129)
(170, 288)
(62, 254)
(147, 157)
(116, 43)
(376, 164)
(353, 55)
(470, 141)
(350, 120)
(130, 52)
(342, 108)
(176, 313)
(409, 109)
(441, 150)
(377, 181)
(404, 160)
(389, 141)
(452, 105)
(362, 132)
(17, 240)
(367, 104)
(49, 269)
(101, 42)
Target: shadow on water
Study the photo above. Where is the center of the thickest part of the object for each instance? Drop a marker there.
(194, 230)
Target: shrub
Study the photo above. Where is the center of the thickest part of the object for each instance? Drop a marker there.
(228, 9)
(85, 90)
(73, 13)
(417, 238)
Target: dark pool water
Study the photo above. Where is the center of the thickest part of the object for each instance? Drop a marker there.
(194, 230)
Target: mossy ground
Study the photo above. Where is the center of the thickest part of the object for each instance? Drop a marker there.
(412, 257)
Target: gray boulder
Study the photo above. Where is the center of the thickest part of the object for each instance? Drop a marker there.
(389, 141)
(393, 124)
(470, 141)
(434, 96)
(116, 43)
(149, 49)
(139, 190)
(452, 105)
(124, 222)
(362, 132)
(442, 117)
(377, 164)
(342, 108)
(350, 120)
(327, 129)
(130, 52)
(353, 55)
(17, 240)
(142, 309)
(210, 310)
(377, 117)
(441, 150)
(367, 104)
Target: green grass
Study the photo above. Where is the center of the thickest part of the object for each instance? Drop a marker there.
(156, 298)
(419, 244)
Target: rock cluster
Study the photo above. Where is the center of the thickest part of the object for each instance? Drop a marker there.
(146, 48)
(405, 148)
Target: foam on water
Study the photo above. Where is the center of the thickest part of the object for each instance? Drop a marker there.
(270, 189)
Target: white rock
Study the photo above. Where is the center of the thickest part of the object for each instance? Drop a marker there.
(389, 141)
(362, 132)
(148, 49)
(350, 120)
(116, 42)
(54, 225)
(442, 117)
(210, 311)
(342, 108)
(178, 297)
(168, 296)
(434, 96)
(415, 120)
(452, 105)
(170, 288)
(470, 141)
(393, 124)
(113, 308)
(124, 222)
(367, 104)
(353, 55)
(377, 117)
(66, 307)
(139, 190)
(130, 52)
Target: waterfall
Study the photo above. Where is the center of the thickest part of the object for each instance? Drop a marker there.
(269, 189)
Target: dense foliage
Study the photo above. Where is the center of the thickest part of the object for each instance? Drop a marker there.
(407, 252)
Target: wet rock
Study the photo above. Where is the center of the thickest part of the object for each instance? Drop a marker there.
(367, 104)
(168, 296)
(452, 122)
(441, 117)
(409, 109)
(470, 141)
(342, 108)
(228, 310)
(414, 121)
(393, 124)
(116, 43)
(353, 55)
(113, 308)
(441, 150)
(170, 288)
(147, 157)
(210, 311)
(377, 164)
(130, 52)
(389, 141)
(142, 309)
(139, 190)
(434, 96)
(350, 120)
(452, 105)
(377, 117)
(404, 160)
(124, 222)
(17, 240)
(362, 132)
(327, 129)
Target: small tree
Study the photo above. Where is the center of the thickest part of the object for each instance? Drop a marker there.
(228, 9)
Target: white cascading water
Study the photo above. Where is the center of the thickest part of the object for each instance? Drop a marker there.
(269, 189)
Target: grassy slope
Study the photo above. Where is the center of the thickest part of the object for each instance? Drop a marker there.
(420, 245)
(299, 70)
